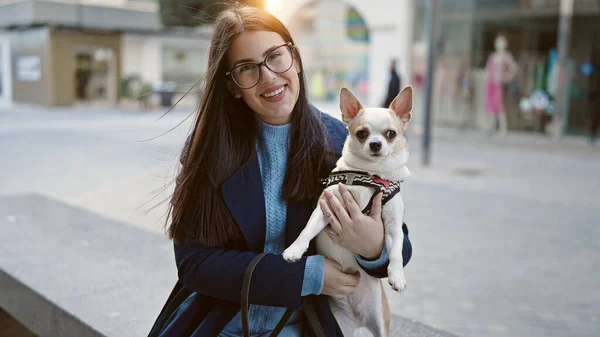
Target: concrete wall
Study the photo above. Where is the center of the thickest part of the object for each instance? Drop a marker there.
(63, 45)
(142, 55)
(116, 15)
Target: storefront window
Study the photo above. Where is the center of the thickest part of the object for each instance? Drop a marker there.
(335, 49)
(468, 58)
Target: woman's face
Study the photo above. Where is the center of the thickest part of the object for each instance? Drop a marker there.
(275, 95)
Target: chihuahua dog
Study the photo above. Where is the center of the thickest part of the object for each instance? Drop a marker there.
(373, 160)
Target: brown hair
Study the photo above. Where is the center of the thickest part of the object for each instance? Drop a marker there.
(224, 137)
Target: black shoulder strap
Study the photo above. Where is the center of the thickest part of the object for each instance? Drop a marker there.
(307, 306)
(312, 318)
(246, 305)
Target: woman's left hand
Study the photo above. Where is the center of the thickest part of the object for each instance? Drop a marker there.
(350, 228)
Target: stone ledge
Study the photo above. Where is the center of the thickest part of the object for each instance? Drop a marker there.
(65, 271)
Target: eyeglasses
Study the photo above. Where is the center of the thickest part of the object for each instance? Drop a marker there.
(278, 60)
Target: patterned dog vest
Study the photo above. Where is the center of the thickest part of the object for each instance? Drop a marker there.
(389, 188)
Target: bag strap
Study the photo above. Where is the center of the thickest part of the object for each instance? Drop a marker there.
(311, 316)
(246, 305)
(309, 311)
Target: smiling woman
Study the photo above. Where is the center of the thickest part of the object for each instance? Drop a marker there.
(250, 179)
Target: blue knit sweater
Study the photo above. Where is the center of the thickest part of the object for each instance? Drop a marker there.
(272, 158)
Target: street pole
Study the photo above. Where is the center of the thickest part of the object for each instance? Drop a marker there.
(430, 20)
(563, 42)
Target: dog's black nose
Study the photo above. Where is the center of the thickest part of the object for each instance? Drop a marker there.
(375, 146)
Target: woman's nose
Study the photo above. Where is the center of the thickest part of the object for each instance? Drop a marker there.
(266, 76)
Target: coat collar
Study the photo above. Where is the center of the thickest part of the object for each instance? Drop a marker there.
(243, 195)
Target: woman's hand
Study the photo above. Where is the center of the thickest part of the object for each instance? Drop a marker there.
(350, 228)
(336, 283)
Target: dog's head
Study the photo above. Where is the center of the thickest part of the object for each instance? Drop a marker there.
(377, 134)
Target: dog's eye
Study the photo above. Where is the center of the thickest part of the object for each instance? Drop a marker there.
(390, 134)
(362, 134)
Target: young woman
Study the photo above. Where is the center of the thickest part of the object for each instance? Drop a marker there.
(250, 180)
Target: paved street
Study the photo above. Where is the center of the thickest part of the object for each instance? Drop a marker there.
(505, 229)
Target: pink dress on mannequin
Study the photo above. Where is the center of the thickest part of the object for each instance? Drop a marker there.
(500, 69)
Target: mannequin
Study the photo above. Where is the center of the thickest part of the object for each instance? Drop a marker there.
(501, 68)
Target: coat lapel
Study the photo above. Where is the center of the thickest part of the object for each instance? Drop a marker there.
(243, 195)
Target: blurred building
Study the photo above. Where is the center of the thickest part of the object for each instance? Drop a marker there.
(350, 43)
(65, 52)
(467, 33)
(61, 52)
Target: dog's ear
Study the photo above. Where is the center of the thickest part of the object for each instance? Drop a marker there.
(402, 104)
(349, 105)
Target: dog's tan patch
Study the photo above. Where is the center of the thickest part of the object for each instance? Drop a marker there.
(386, 310)
(356, 125)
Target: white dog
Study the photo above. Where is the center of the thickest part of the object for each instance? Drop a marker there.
(373, 160)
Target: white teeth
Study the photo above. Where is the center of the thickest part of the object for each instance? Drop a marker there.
(274, 93)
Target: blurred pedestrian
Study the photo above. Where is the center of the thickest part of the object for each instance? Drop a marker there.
(393, 85)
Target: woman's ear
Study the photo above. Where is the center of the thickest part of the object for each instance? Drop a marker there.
(233, 90)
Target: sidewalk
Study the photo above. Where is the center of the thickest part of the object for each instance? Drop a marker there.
(504, 228)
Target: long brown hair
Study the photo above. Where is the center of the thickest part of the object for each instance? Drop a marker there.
(224, 137)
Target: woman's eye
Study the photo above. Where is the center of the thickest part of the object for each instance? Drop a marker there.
(362, 134)
(245, 68)
(390, 134)
(274, 56)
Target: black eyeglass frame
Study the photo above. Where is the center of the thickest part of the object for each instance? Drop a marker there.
(290, 47)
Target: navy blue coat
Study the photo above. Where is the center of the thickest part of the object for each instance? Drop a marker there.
(207, 294)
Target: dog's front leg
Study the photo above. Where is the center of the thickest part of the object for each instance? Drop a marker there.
(394, 239)
(315, 225)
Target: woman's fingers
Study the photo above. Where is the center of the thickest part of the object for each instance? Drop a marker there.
(350, 280)
(345, 291)
(336, 283)
(330, 217)
(376, 206)
(349, 201)
(336, 206)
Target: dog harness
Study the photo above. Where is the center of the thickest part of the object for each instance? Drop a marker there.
(360, 178)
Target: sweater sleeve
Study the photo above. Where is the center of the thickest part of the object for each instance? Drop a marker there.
(313, 275)
(381, 261)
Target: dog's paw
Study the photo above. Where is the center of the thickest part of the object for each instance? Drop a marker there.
(294, 253)
(396, 279)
